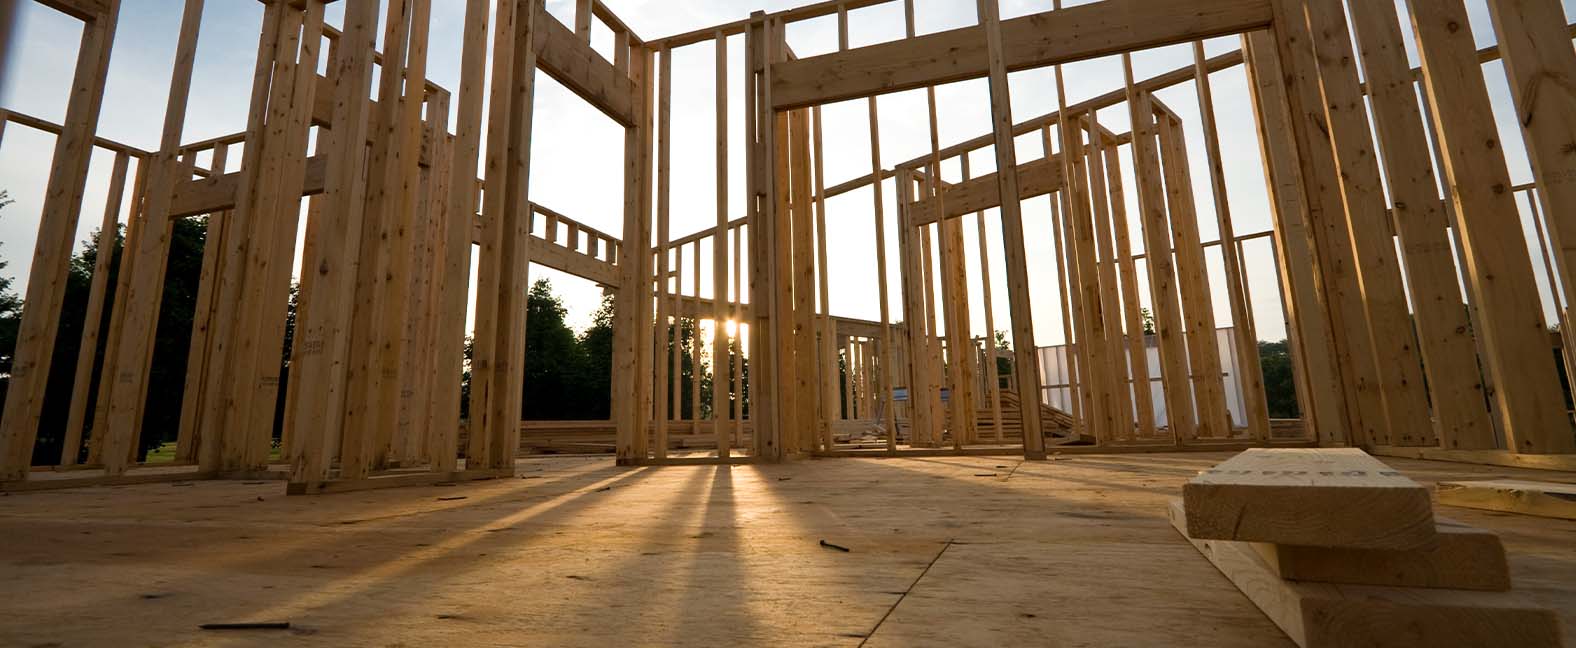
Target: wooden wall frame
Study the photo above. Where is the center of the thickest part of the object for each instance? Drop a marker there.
(1386, 350)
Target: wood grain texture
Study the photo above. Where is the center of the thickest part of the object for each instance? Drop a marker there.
(1326, 497)
(1463, 557)
(1322, 614)
(1035, 178)
(1498, 267)
(1543, 499)
(1031, 41)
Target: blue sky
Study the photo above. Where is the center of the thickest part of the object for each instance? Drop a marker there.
(576, 154)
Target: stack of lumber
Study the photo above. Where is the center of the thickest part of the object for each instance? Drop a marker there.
(1338, 549)
(1058, 424)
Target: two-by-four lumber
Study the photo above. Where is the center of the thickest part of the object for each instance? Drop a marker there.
(1498, 267)
(1543, 499)
(889, 362)
(1316, 615)
(395, 392)
(46, 282)
(93, 319)
(1156, 230)
(1541, 67)
(632, 305)
(806, 375)
(760, 164)
(1137, 346)
(311, 233)
(255, 362)
(695, 345)
(1461, 557)
(1209, 391)
(720, 349)
(510, 254)
(954, 293)
(921, 403)
(429, 252)
(322, 335)
(988, 367)
(99, 410)
(778, 235)
(1331, 238)
(1067, 278)
(1095, 340)
(504, 215)
(828, 349)
(667, 334)
(1319, 386)
(931, 361)
(376, 302)
(1444, 330)
(960, 355)
(1098, 159)
(1025, 364)
(1250, 373)
(199, 353)
(1322, 497)
(117, 317)
(1036, 40)
(217, 442)
(1395, 353)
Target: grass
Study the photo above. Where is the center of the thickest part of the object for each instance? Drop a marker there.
(165, 453)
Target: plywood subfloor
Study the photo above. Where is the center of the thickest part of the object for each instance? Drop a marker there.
(1071, 552)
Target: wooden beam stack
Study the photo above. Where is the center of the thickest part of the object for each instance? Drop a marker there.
(1339, 549)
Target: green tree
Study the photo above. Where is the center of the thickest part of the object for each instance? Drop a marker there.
(595, 379)
(688, 337)
(569, 377)
(10, 316)
(1280, 387)
(1003, 360)
(552, 357)
(172, 339)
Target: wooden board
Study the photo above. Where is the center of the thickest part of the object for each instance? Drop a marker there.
(1035, 178)
(1025, 42)
(1464, 557)
(1323, 614)
(1486, 457)
(1498, 265)
(1543, 499)
(1325, 497)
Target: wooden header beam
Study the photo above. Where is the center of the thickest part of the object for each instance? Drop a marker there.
(573, 63)
(1038, 40)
